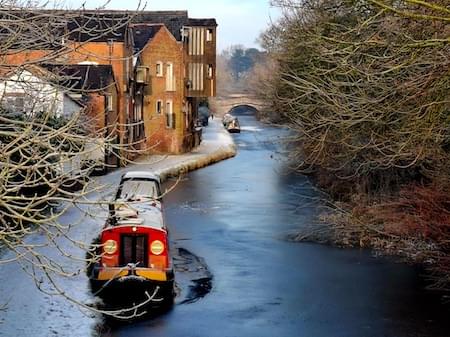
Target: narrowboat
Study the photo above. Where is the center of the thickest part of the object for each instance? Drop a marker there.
(233, 126)
(231, 123)
(133, 257)
(227, 118)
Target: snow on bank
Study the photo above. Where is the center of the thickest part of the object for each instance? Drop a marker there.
(217, 145)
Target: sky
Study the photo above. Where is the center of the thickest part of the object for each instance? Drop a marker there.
(240, 21)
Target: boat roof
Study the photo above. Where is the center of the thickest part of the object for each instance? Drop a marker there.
(141, 175)
(148, 214)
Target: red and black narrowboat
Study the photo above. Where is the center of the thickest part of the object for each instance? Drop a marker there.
(133, 250)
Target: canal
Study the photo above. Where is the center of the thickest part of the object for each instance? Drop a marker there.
(237, 273)
(243, 278)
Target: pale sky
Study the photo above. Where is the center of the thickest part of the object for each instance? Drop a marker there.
(240, 21)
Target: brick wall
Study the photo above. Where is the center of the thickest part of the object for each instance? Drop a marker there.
(25, 57)
(109, 54)
(159, 138)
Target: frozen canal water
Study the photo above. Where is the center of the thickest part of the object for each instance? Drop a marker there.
(237, 274)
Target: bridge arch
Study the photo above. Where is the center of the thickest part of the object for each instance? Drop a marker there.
(245, 109)
(232, 103)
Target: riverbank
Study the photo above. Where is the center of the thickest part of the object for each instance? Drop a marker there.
(217, 145)
(409, 224)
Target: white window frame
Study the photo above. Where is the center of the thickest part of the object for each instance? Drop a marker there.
(170, 78)
(159, 70)
(186, 115)
(209, 34)
(159, 103)
(210, 73)
(109, 103)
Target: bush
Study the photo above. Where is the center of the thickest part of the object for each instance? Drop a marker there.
(363, 85)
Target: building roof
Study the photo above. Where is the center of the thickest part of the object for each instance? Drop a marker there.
(101, 25)
(202, 22)
(98, 27)
(142, 33)
(106, 25)
(173, 20)
(83, 77)
(25, 30)
(43, 74)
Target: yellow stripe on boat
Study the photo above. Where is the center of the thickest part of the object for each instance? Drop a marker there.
(155, 275)
(112, 273)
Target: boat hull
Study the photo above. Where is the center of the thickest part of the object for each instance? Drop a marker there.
(234, 130)
(131, 288)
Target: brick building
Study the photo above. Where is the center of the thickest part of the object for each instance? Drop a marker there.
(159, 60)
(163, 64)
(179, 68)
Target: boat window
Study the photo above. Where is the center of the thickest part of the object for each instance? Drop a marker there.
(138, 189)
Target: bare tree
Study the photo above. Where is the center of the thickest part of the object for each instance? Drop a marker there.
(224, 77)
(364, 86)
(46, 152)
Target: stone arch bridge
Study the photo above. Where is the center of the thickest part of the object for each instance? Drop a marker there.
(221, 105)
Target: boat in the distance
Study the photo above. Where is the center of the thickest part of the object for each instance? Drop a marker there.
(231, 123)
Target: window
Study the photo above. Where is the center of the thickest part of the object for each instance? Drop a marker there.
(185, 34)
(159, 69)
(109, 103)
(209, 35)
(196, 44)
(186, 114)
(170, 80)
(138, 117)
(136, 189)
(159, 106)
(196, 76)
(170, 116)
(210, 71)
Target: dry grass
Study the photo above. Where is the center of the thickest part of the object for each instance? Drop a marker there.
(413, 224)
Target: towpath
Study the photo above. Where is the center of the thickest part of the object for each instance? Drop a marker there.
(217, 144)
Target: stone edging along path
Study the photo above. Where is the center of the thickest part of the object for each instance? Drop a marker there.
(217, 145)
(197, 162)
